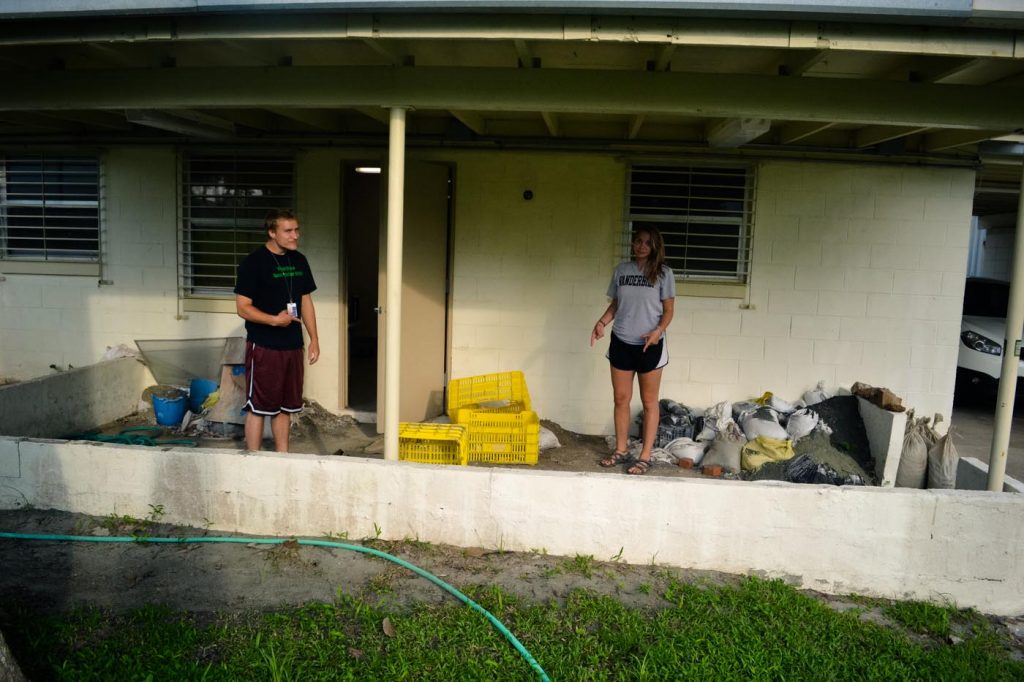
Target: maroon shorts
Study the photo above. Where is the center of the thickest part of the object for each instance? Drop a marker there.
(273, 379)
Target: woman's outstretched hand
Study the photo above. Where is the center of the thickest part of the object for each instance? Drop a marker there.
(597, 333)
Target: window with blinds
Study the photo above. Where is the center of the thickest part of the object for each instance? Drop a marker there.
(224, 201)
(50, 209)
(704, 214)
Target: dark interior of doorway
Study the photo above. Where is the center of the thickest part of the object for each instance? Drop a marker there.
(362, 244)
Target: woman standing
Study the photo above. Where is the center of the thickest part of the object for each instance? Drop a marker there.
(643, 294)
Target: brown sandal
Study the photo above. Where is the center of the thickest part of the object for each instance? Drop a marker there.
(616, 459)
(639, 468)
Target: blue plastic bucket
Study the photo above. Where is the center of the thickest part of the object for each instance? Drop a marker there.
(198, 391)
(169, 411)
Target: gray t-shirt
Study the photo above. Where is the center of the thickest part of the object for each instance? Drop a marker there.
(640, 303)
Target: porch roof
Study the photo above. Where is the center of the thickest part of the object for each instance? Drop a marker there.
(930, 86)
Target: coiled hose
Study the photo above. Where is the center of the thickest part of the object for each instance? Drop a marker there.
(313, 543)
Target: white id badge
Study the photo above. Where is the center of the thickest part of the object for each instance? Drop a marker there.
(293, 309)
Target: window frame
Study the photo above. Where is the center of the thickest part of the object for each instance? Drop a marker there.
(89, 263)
(200, 298)
(689, 280)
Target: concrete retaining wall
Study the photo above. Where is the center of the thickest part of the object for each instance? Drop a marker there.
(972, 474)
(885, 431)
(59, 404)
(929, 545)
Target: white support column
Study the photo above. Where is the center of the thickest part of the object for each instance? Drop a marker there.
(1011, 359)
(393, 297)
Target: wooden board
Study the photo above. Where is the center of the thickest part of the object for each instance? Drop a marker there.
(234, 351)
(232, 396)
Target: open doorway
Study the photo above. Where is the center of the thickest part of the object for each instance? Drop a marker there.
(362, 217)
(425, 289)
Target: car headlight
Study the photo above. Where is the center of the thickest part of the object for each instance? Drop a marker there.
(982, 344)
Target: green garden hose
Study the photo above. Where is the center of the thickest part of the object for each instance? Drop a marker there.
(314, 543)
(133, 436)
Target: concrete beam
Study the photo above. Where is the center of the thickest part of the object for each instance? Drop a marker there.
(779, 34)
(799, 65)
(321, 119)
(948, 139)
(794, 132)
(917, 105)
(872, 135)
(551, 121)
(635, 123)
(474, 122)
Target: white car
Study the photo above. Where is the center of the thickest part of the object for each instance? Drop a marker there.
(982, 335)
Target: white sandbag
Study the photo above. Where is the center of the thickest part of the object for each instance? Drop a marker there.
(548, 439)
(763, 422)
(686, 449)
(817, 394)
(943, 460)
(661, 455)
(781, 406)
(119, 351)
(801, 423)
(725, 452)
(913, 469)
(716, 419)
(743, 408)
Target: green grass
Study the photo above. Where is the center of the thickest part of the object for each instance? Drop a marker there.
(926, 619)
(757, 630)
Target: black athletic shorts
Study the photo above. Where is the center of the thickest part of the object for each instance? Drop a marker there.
(630, 358)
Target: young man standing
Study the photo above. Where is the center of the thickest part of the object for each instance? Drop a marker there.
(273, 294)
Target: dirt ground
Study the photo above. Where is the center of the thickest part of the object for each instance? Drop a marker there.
(319, 432)
(53, 577)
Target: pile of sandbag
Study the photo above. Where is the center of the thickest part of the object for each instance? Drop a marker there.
(766, 438)
(927, 459)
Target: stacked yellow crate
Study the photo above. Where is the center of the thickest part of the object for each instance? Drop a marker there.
(433, 443)
(495, 409)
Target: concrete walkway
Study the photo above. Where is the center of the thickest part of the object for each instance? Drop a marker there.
(972, 426)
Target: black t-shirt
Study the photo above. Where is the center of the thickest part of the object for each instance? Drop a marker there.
(271, 281)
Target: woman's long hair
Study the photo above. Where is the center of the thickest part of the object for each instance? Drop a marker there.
(652, 268)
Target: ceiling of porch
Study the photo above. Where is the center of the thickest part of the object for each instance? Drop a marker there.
(938, 93)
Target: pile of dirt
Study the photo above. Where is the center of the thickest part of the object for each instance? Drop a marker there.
(842, 414)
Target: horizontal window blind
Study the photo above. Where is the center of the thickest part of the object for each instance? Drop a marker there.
(224, 201)
(703, 212)
(50, 208)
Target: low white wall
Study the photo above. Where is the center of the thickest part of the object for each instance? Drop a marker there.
(908, 544)
(972, 474)
(885, 431)
(82, 398)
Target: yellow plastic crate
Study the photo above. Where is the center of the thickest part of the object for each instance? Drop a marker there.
(433, 443)
(502, 438)
(475, 392)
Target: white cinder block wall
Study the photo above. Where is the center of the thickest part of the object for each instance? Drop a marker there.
(857, 276)
(65, 320)
(995, 259)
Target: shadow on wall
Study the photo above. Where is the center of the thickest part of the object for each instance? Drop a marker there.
(72, 401)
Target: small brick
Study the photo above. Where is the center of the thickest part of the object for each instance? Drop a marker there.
(685, 463)
(712, 470)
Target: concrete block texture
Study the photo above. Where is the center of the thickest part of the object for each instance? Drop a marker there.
(71, 401)
(927, 545)
(10, 457)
